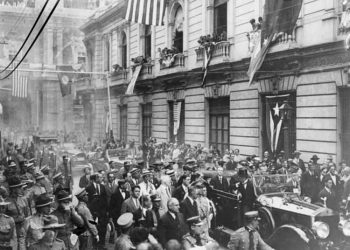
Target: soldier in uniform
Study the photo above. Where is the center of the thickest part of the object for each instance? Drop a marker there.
(248, 238)
(87, 238)
(67, 215)
(33, 224)
(39, 186)
(197, 236)
(49, 240)
(59, 182)
(125, 222)
(47, 183)
(29, 171)
(8, 237)
(18, 209)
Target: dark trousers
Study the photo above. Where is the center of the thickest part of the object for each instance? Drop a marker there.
(102, 229)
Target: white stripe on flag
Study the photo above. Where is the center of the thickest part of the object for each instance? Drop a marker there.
(161, 13)
(133, 18)
(141, 11)
(147, 19)
(154, 20)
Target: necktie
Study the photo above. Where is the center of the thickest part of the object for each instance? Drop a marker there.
(198, 241)
(220, 180)
(251, 238)
(98, 189)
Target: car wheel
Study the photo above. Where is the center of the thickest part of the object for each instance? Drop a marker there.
(267, 223)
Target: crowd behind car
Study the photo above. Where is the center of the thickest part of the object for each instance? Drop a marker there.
(158, 198)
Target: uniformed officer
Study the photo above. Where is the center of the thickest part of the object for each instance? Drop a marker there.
(67, 215)
(8, 237)
(197, 238)
(49, 240)
(125, 222)
(39, 186)
(18, 208)
(47, 183)
(248, 238)
(90, 236)
(33, 225)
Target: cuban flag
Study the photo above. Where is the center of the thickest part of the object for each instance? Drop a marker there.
(274, 119)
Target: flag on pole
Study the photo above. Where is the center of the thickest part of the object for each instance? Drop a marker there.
(149, 12)
(208, 52)
(107, 124)
(135, 75)
(19, 85)
(274, 119)
(280, 17)
(65, 79)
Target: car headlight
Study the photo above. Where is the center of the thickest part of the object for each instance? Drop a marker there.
(344, 225)
(321, 229)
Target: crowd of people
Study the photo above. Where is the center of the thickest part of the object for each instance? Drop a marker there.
(158, 200)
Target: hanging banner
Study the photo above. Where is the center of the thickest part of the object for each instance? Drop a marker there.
(177, 117)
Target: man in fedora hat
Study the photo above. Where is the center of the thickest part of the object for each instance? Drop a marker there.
(299, 162)
(8, 237)
(49, 241)
(33, 224)
(67, 215)
(89, 237)
(146, 187)
(246, 188)
(248, 237)
(18, 208)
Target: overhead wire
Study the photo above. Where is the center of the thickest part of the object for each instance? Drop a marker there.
(26, 39)
(34, 41)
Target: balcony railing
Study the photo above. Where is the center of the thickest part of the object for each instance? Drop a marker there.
(177, 60)
(285, 41)
(222, 49)
(147, 70)
(121, 74)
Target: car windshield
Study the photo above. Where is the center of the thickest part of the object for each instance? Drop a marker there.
(276, 183)
(114, 153)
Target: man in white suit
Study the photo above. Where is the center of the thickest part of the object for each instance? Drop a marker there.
(164, 193)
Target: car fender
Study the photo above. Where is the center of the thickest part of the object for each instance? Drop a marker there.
(294, 237)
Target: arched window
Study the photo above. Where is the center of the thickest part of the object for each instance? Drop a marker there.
(178, 29)
(220, 17)
(148, 41)
(124, 51)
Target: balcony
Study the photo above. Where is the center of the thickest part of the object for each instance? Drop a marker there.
(172, 61)
(119, 76)
(221, 49)
(344, 26)
(284, 42)
(146, 71)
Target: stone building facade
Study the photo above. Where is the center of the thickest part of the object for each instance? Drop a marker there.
(309, 66)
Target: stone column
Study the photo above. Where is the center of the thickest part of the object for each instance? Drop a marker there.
(48, 46)
(59, 43)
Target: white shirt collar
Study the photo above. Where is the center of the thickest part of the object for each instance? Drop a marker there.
(172, 214)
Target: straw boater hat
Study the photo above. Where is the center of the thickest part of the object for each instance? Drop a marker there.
(43, 168)
(82, 192)
(125, 220)
(39, 176)
(3, 202)
(56, 176)
(12, 164)
(146, 172)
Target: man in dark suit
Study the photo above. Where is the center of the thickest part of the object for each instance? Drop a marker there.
(328, 196)
(132, 204)
(309, 183)
(219, 182)
(98, 205)
(181, 192)
(246, 188)
(171, 224)
(189, 206)
(118, 197)
(110, 186)
(337, 187)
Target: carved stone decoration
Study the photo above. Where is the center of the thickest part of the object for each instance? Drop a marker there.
(178, 94)
(217, 90)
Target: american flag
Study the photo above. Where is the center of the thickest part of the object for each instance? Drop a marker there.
(19, 85)
(149, 12)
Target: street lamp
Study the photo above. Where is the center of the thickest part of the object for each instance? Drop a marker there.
(286, 117)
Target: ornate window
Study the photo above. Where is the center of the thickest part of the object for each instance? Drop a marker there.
(178, 29)
(220, 17)
(146, 121)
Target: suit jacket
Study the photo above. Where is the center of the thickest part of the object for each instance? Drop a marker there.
(337, 186)
(165, 197)
(310, 185)
(170, 228)
(188, 210)
(240, 241)
(179, 193)
(331, 201)
(215, 182)
(128, 206)
(84, 182)
(97, 202)
(115, 205)
(110, 190)
(248, 195)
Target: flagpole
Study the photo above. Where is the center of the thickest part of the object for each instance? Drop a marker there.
(109, 105)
